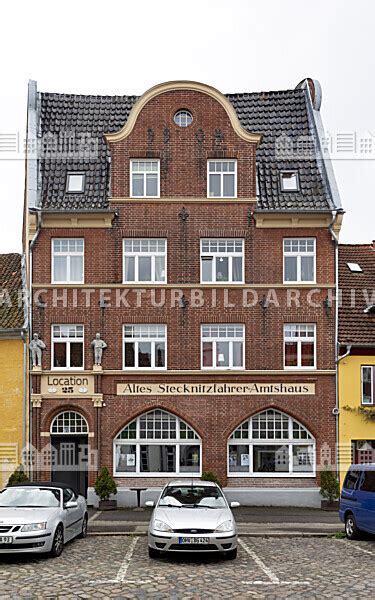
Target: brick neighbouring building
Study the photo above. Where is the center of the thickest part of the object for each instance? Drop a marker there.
(151, 178)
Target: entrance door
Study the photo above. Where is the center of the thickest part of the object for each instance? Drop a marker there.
(70, 461)
(69, 441)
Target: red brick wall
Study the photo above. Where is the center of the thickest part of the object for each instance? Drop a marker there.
(183, 154)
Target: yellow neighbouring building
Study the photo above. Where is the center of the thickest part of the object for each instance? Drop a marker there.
(14, 413)
(356, 366)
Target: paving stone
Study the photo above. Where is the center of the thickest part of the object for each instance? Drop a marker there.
(278, 568)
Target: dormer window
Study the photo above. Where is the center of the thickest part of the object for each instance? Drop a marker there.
(75, 183)
(289, 181)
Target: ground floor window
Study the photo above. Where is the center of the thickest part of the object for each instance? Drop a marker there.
(157, 443)
(271, 444)
(364, 452)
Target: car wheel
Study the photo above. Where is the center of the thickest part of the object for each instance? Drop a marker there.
(58, 542)
(351, 529)
(153, 553)
(83, 533)
(231, 554)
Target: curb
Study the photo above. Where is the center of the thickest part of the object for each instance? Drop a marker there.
(300, 534)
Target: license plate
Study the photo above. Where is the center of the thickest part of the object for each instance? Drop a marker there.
(6, 539)
(193, 540)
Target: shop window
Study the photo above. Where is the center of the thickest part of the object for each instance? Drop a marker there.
(157, 443)
(271, 444)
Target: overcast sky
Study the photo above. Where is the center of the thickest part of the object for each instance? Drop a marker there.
(123, 47)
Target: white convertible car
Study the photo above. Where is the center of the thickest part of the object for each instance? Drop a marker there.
(40, 517)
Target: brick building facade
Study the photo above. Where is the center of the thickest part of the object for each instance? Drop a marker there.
(206, 260)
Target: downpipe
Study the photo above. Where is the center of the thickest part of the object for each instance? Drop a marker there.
(337, 406)
(30, 315)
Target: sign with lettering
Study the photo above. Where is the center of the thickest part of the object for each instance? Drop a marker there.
(215, 389)
(67, 385)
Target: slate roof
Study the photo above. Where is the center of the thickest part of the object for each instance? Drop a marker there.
(355, 326)
(11, 315)
(272, 114)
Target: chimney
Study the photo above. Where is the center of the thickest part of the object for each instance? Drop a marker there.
(373, 244)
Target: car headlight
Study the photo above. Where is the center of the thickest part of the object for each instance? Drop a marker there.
(161, 526)
(225, 526)
(34, 526)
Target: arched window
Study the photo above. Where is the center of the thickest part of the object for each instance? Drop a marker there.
(271, 444)
(157, 443)
(69, 422)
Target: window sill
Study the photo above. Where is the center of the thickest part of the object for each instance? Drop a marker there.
(272, 475)
(128, 474)
(300, 369)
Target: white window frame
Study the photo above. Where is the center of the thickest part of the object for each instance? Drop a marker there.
(68, 255)
(138, 339)
(298, 254)
(214, 341)
(299, 341)
(84, 430)
(67, 341)
(372, 370)
(225, 254)
(149, 160)
(138, 442)
(222, 173)
(138, 253)
(290, 442)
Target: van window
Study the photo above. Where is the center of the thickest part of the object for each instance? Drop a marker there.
(351, 480)
(368, 484)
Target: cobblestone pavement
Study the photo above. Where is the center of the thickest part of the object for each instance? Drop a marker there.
(119, 567)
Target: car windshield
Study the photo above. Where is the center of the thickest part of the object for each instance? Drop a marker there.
(195, 496)
(29, 498)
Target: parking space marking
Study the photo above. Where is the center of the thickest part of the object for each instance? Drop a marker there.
(121, 575)
(273, 578)
(358, 548)
(258, 561)
(94, 516)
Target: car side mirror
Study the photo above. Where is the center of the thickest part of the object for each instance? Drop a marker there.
(150, 503)
(71, 504)
(235, 504)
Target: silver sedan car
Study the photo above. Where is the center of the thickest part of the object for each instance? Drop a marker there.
(192, 516)
(40, 518)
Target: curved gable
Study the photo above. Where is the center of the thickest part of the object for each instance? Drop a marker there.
(173, 86)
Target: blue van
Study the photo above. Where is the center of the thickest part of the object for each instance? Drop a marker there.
(357, 502)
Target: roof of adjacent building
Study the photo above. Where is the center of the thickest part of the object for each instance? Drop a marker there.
(356, 326)
(273, 114)
(11, 311)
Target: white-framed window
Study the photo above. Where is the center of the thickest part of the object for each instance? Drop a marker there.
(67, 346)
(145, 178)
(221, 179)
(68, 260)
(271, 444)
(223, 346)
(69, 422)
(75, 183)
(367, 384)
(145, 260)
(289, 181)
(299, 260)
(299, 346)
(145, 346)
(183, 118)
(157, 443)
(222, 261)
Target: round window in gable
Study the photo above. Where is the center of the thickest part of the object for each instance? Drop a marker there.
(183, 118)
